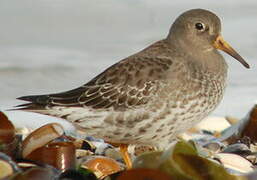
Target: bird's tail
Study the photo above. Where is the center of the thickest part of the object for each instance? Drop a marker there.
(35, 103)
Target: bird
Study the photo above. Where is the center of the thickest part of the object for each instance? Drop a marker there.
(153, 95)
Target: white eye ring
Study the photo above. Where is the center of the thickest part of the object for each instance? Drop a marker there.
(200, 26)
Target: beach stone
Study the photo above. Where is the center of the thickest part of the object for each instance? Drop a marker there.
(212, 124)
(238, 148)
(235, 162)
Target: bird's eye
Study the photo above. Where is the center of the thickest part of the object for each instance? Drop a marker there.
(200, 26)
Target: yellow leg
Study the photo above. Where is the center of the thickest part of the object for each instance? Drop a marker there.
(125, 155)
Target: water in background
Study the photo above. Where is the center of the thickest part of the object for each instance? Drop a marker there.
(51, 45)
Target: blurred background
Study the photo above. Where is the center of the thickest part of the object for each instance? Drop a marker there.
(50, 46)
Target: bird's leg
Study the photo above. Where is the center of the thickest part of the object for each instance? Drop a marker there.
(125, 155)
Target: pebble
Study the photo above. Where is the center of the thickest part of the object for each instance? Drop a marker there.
(235, 162)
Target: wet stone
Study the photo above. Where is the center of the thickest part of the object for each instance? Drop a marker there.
(81, 174)
(213, 146)
(238, 148)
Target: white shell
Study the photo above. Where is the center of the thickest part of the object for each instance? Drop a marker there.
(5, 169)
(213, 124)
(235, 162)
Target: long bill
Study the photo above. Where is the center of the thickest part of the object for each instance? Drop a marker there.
(221, 44)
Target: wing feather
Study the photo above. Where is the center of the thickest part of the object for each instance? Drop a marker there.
(127, 84)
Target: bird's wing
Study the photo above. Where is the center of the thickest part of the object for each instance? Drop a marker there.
(127, 84)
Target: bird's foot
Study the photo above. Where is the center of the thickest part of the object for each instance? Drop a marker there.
(124, 153)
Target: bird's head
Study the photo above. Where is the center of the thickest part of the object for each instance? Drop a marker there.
(201, 30)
